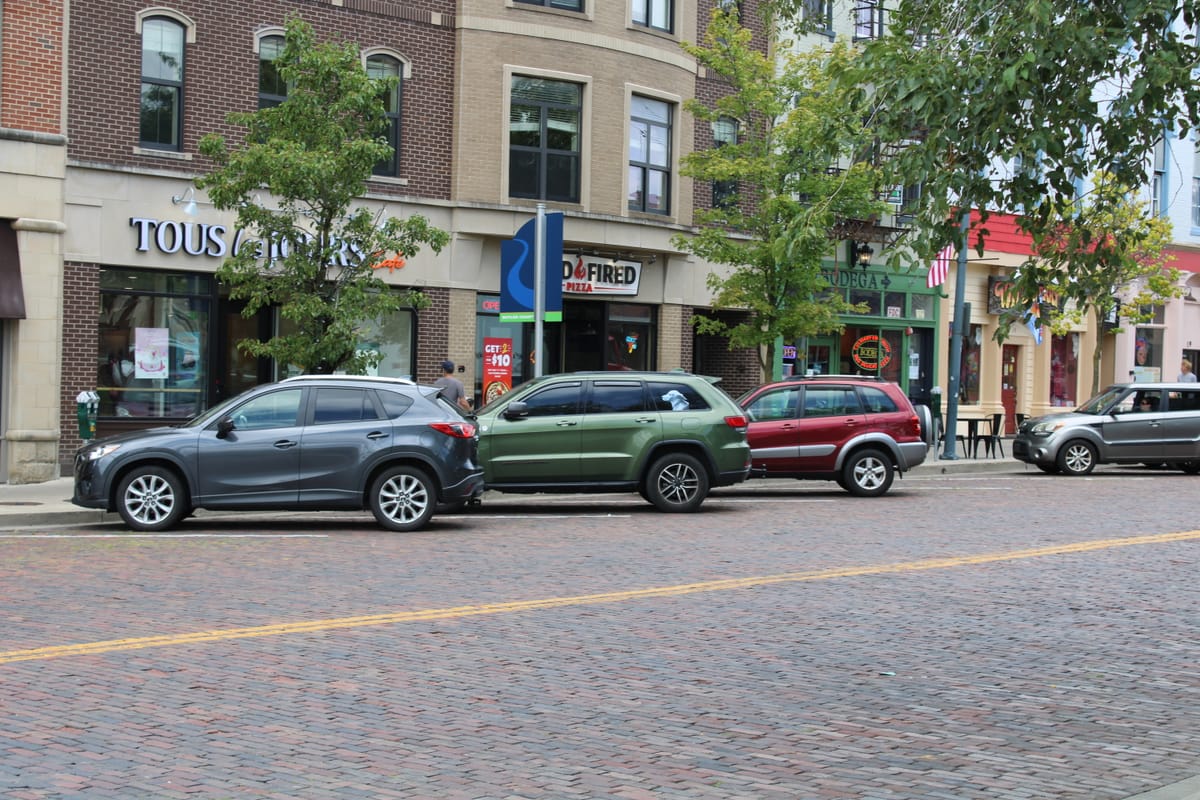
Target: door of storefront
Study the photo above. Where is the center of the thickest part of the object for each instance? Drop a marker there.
(1009, 361)
(235, 371)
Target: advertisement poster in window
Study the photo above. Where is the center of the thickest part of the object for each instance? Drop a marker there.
(497, 367)
(150, 352)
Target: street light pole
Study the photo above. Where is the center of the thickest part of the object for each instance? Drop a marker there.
(958, 332)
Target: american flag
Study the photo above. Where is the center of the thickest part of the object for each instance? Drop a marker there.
(940, 267)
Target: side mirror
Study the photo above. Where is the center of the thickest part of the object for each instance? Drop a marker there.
(515, 410)
(225, 427)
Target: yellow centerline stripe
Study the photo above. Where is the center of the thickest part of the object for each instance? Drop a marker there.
(456, 612)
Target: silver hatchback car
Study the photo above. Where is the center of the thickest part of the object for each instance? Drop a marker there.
(1130, 423)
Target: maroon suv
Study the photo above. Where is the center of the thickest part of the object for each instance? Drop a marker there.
(859, 431)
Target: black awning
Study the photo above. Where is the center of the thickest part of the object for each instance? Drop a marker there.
(12, 294)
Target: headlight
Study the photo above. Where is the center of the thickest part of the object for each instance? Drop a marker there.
(101, 451)
(1045, 428)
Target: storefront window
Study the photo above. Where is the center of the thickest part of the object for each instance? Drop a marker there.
(629, 345)
(972, 347)
(922, 306)
(1147, 355)
(153, 351)
(1064, 354)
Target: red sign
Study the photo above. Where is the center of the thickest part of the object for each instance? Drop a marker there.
(871, 353)
(497, 368)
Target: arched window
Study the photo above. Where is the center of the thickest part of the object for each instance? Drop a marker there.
(161, 124)
(381, 66)
(272, 88)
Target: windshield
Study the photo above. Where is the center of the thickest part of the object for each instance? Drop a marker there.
(1101, 401)
(216, 412)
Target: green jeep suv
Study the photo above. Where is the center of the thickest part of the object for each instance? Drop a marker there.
(669, 436)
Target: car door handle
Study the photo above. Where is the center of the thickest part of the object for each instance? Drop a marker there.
(284, 444)
(566, 423)
(376, 435)
(646, 420)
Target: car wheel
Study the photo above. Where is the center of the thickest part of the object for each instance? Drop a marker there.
(1077, 458)
(1190, 467)
(1049, 469)
(868, 473)
(151, 499)
(403, 499)
(677, 482)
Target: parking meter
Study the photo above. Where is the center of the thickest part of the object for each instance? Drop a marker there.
(87, 409)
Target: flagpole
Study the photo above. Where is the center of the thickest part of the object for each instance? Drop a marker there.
(958, 332)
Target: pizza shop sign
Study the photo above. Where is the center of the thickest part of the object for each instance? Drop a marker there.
(600, 276)
(871, 353)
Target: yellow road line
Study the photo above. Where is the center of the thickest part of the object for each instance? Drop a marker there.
(456, 612)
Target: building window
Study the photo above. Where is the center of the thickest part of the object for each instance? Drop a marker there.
(388, 67)
(818, 15)
(656, 14)
(1196, 184)
(568, 5)
(1064, 369)
(1158, 183)
(731, 7)
(725, 132)
(272, 89)
(544, 139)
(650, 156)
(868, 20)
(162, 83)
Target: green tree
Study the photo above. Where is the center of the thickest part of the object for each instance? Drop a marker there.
(316, 256)
(796, 127)
(1106, 257)
(1062, 89)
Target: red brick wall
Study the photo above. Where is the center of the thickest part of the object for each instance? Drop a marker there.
(221, 75)
(81, 320)
(739, 370)
(433, 335)
(31, 63)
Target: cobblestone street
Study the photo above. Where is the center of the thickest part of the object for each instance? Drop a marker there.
(965, 637)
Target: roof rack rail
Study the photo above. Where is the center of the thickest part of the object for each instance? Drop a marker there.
(327, 377)
(836, 377)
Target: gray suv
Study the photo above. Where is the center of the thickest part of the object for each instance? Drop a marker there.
(317, 443)
(1146, 423)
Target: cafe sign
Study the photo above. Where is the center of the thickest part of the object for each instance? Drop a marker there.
(871, 353)
(600, 276)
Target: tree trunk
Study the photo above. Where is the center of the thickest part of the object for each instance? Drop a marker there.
(1097, 351)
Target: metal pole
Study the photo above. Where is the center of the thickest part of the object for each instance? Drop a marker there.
(958, 332)
(539, 286)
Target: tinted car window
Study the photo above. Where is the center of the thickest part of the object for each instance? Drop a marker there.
(616, 397)
(343, 405)
(561, 399)
(672, 396)
(830, 401)
(778, 404)
(1183, 401)
(274, 410)
(877, 401)
(395, 404)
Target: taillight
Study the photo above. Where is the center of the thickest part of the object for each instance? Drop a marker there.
(736, 421)
(916, 424)
(459, 430)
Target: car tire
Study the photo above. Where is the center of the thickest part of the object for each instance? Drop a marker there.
(1190, 467)
(868, 473)
(151, 499)
(1049, 469)
(677, 483)
(403, 498)
(1076, 457)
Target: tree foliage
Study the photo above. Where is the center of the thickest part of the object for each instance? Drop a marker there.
(316, 256)
(1106, 260)
(795, 126)
(1064, 88)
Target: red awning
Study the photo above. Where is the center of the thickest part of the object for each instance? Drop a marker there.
(12, 294)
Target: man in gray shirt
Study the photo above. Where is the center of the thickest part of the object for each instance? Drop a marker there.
(452, 387)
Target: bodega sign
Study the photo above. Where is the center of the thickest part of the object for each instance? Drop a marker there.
(599, 276)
